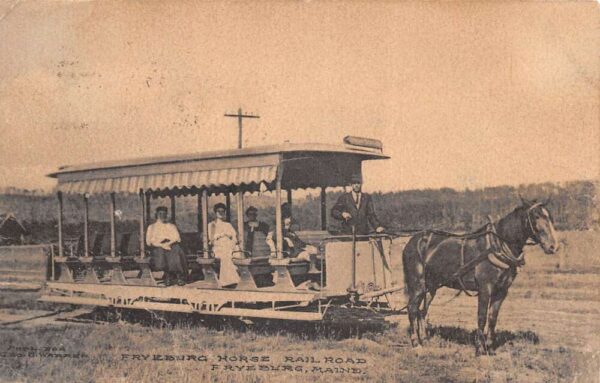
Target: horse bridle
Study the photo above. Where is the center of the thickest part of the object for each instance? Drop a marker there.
(534, 232)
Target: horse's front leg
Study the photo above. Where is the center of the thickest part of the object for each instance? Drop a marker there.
(495, 303)
(483, 301)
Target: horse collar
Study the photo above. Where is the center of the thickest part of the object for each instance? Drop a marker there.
(493, 258)
(504, 258)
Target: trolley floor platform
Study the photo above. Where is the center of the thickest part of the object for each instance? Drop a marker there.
(292, 305)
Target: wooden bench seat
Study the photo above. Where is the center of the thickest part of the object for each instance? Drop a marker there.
(67, 266)
(254, 272)
(209, 267)
(258, 269)
(99, 264)
(289, 272)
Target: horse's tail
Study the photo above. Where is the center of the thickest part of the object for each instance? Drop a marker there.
(405, 260)
(412, 264)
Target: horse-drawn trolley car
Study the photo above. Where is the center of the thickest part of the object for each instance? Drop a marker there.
(351, 272)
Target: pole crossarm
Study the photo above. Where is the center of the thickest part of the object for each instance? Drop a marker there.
(241, 115)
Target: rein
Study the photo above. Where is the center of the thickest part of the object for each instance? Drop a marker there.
(472, 235)
(502, 258)
(498, 253)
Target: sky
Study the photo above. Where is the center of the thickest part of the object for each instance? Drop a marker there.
(462, 94)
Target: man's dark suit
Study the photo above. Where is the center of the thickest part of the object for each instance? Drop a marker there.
(362, 217)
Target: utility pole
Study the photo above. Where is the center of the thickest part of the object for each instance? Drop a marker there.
(240, 116)
(240, 195)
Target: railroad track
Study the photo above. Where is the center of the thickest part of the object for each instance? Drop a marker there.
(20, 286)
(46, 315)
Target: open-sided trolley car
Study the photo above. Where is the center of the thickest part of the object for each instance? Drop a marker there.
(352, 273)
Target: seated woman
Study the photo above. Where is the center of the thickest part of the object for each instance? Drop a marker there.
(163, 239)
(223, 240)
(293, 246)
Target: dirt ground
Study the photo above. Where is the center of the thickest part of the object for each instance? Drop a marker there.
(548, 332)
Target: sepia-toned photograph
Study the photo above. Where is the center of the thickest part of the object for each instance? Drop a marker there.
(299, 191)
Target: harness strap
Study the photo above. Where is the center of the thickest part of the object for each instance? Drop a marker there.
(489, 236)
(491, 254)
(490, 239)
(462, 264)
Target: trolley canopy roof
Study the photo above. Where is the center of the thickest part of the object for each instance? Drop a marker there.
(248, 169)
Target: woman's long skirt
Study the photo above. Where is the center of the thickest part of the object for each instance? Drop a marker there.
(228, 274)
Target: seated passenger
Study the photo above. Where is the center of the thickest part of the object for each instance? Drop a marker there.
(293, 246)
(251, 227)
(167, 255)
(223, 240)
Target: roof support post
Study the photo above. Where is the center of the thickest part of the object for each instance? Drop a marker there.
(148, 211)
(278, 221)
(228, 207)
(142, 223)
(204, 203)
(289, 197)
(199, 213)
(240, 218)
(173, 215)
(113, 241)
(86, 231)
(60, 225)
(323, 208)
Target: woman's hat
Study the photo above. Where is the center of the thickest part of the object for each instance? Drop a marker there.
(218, 206)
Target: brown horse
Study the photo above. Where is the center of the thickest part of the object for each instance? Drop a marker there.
(485, 262)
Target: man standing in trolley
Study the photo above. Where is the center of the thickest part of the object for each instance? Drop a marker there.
(355, 209)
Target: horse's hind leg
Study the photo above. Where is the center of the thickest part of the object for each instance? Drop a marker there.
(414, 318)
(425, 312)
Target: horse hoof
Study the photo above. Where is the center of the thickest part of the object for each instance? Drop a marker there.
(488, 352)
(429, 332)
(414, 342)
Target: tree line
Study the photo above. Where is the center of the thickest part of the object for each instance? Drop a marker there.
(574, 206)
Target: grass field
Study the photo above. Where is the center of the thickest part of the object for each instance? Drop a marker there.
(548, 332)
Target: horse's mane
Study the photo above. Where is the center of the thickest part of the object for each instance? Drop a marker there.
(484, 228)
(516, 210)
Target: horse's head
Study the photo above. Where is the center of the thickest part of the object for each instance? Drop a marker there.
(539, 222)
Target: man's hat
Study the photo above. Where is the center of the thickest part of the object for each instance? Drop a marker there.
(356, 178)
(218, 206)
(251, 209)
(286, 210)
(162, 208)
